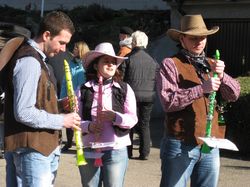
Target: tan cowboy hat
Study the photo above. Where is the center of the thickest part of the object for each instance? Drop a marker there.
(104, 48)
(193, 25)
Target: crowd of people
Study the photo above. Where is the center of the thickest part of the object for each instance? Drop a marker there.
(115, 94)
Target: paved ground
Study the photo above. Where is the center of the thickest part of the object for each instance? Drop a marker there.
(235, 171)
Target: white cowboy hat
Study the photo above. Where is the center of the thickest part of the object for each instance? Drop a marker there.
(104, 48)
(193, 25)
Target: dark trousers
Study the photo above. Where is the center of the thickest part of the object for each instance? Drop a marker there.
(69, 135)
(142, 129)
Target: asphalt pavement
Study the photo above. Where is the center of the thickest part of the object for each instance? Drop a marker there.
(235, 171)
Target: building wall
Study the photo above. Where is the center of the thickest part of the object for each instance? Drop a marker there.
(69, 4)
(210, 9)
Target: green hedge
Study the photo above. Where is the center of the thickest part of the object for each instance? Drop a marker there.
(238, 118)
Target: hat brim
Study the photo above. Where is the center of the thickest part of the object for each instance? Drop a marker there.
(174, 34)
(92, 55)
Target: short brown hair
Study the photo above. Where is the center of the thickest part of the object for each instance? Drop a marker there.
(55, 22)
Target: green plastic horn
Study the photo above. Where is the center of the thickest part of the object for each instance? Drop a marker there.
(205, 148)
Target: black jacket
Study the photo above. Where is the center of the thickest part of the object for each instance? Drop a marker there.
(140, 72)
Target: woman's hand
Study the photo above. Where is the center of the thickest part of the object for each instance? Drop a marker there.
(103, 116)
(107, 115)
(95, 128)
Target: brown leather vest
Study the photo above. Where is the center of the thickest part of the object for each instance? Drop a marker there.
(18, 135)
(190, 123)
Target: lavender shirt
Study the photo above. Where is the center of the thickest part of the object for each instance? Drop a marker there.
(126, 120)
(174, 98)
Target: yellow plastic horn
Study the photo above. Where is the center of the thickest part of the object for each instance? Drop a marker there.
(80, 159)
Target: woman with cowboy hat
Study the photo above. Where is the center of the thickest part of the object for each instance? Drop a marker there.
(184, 83)
(105, 131)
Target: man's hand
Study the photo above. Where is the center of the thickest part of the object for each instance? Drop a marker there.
(218, 67)
(72, 120)
(213, 84)
(65, 104)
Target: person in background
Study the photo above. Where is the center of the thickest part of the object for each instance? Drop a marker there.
(78, 77)
(108, 126)
(57, 65)
(139, 72)
(184, 83)
(125, 41)
(32, 120)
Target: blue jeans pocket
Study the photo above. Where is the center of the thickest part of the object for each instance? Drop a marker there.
(170, 148)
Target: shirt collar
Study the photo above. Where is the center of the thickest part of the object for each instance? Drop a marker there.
(33, 44)
(92, 83)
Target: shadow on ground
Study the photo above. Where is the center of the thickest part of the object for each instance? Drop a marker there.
(234, 155)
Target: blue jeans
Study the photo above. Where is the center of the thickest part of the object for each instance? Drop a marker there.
(181, 162)
(11, 177)
(112, 172)
(31, 167)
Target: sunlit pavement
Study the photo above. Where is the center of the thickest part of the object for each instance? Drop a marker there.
(234, 170)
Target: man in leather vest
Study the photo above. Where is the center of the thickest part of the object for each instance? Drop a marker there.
(32, 120)
(184, 83)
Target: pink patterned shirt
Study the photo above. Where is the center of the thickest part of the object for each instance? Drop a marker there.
(174, 98)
